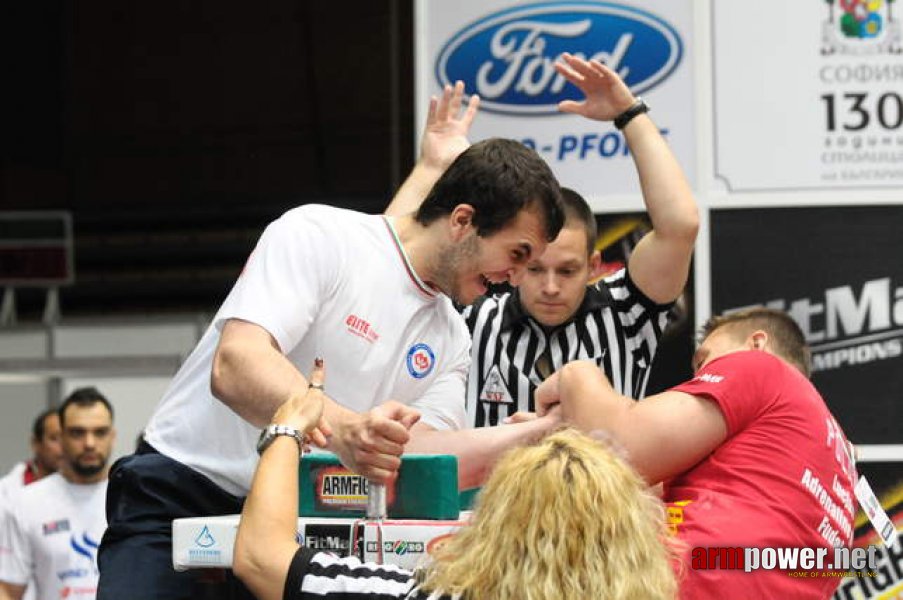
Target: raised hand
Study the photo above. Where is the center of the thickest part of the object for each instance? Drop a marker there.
(607, 96)
(445, 135)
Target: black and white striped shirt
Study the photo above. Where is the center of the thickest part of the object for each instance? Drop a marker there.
(314, 574)
(616, 325)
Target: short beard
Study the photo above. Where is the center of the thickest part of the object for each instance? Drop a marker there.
(450, 263)
(88, 470)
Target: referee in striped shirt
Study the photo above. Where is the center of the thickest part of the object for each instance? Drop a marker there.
(554, 316)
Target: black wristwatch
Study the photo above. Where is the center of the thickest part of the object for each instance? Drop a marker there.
(637, 108)
(270, 432)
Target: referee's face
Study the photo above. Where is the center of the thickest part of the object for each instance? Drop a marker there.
(555, 282)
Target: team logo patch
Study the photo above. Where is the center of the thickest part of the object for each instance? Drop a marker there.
(420, 360)
(55, 526)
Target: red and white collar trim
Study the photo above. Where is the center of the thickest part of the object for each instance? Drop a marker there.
(421, 286)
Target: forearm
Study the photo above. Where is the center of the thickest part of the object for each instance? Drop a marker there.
(589, 402)
(265, 543)
(414, 190)
(254, 380)
(666, 192)
(477, 449)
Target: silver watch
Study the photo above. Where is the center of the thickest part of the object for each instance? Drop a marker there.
(270, 432)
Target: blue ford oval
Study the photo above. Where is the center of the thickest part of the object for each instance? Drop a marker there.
(507, 57)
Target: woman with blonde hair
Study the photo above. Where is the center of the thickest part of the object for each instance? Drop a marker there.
(565, 518)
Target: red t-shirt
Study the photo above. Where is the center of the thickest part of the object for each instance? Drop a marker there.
(783, 478)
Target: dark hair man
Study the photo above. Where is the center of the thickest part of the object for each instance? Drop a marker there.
(56, 524)
(46, 455)
(373, 296)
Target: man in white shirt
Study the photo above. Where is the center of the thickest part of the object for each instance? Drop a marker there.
(47, 452)
(369, 294)
(56, 524)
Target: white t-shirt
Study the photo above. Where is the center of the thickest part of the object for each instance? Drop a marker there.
(52, 533)
(11, 482)
(331, 283)
(10, 485)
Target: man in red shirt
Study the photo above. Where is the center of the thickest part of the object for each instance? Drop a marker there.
(749, 455)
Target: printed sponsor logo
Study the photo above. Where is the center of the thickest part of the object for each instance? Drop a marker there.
(848, 325)
(888, 582)
(85, 548)
(361, 328)
(205, 556)
(709, 378)
(52, 527)
(334, 538)
(420, 360)
(398, 547)
(204, 538)
(339, 488)
(507, 57)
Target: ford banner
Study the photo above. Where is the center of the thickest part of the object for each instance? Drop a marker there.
(505, 52)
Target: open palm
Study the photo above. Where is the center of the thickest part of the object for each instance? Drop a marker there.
(607, 96)
(445, 136)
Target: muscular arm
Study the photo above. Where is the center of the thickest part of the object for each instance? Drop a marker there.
(660, 263)
(664, 435)
(252, 377)
(477, 449)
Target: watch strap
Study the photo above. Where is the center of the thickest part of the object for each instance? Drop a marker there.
(272, 431)
(637, 108)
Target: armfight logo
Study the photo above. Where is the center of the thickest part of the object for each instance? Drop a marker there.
(507, 57)
(849, 325)
(337, 488)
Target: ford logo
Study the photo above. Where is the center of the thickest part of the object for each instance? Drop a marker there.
(507, 57)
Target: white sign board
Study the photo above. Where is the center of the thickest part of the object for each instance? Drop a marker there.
(504, 51)
(807, 95)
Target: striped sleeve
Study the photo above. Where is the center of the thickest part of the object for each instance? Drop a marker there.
(634, 329)
(314, 575)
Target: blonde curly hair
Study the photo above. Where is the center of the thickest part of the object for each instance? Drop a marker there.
(566, 518)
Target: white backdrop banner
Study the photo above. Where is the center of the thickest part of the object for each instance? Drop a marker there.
(504, 51)
(808, 95)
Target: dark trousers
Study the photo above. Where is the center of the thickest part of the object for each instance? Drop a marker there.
(147, 490)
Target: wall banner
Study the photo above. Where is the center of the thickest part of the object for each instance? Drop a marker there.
(808, 95)
(838, 272)
(504, 51)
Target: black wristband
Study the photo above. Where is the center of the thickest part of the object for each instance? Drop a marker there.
(637, 108)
